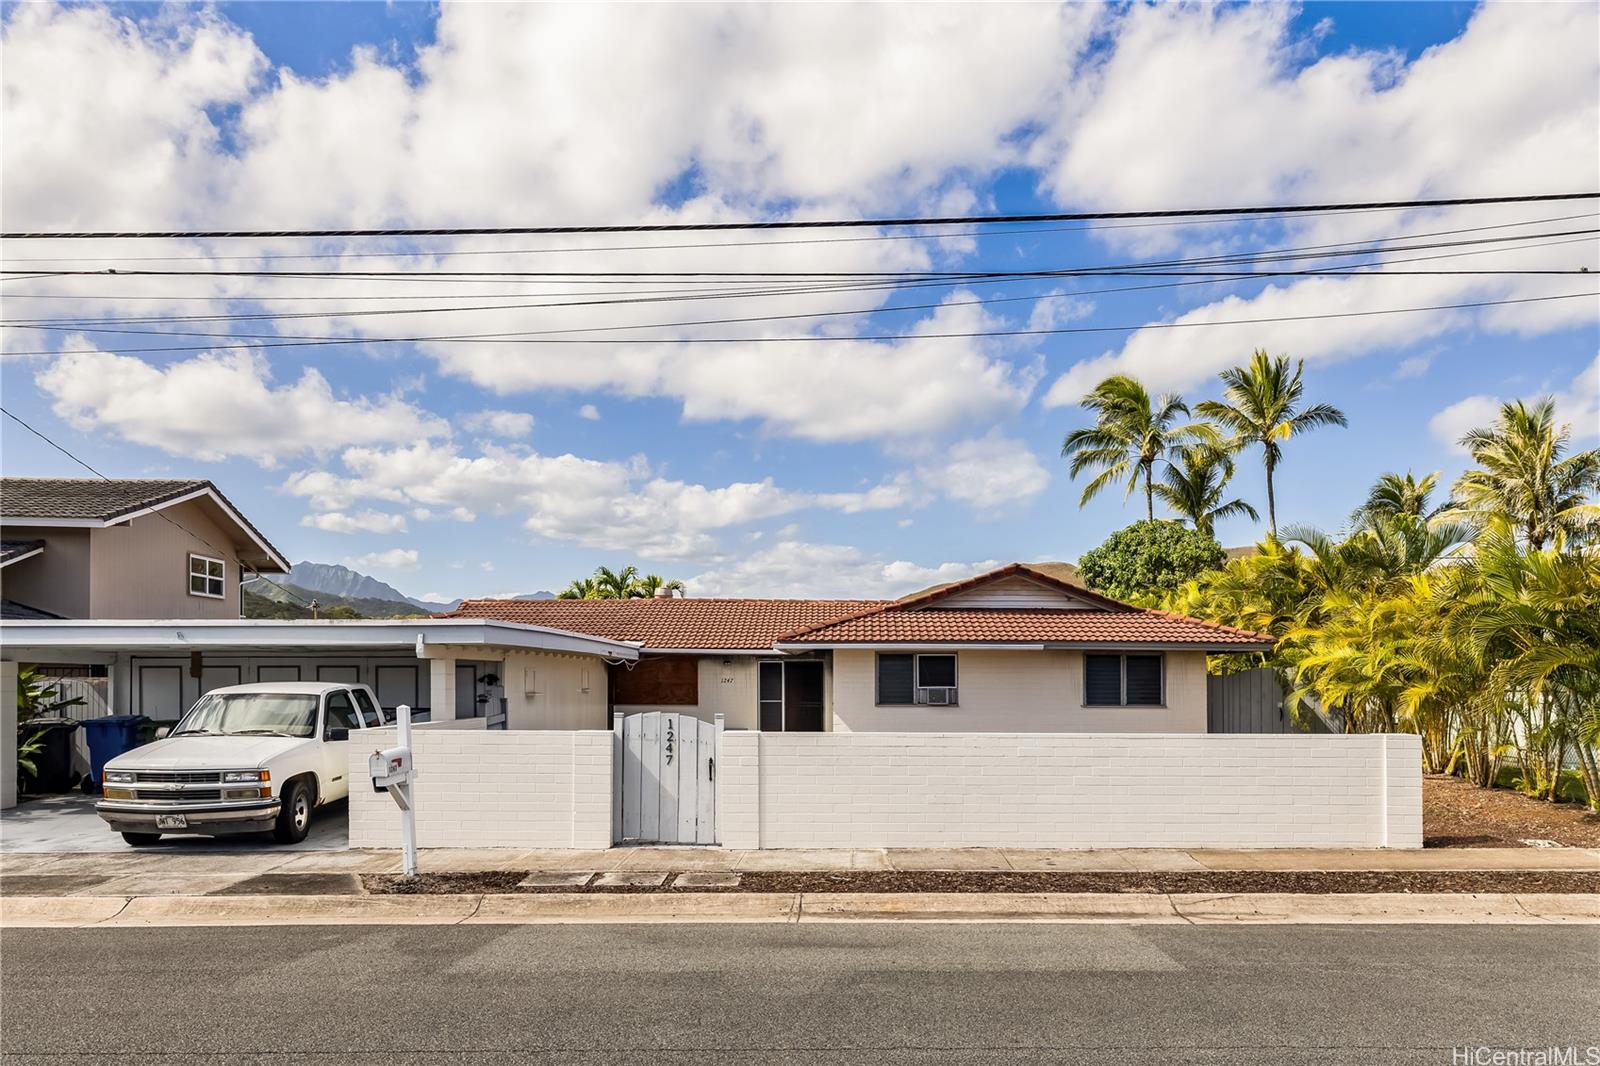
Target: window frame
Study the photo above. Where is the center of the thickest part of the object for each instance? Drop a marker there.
(328, 724)
(916, 658)
(1122, 673)
(204, 574)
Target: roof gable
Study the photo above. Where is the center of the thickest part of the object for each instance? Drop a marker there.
(1021, 590)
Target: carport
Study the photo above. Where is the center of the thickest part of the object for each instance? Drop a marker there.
(513, 675)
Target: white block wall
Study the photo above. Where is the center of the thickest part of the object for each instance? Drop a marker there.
(798, 790)
(491, 789)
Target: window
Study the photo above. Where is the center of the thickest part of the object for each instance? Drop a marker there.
(1122, 681)
(206, 576)
(369, 710)
(341, 713)
(909, 679)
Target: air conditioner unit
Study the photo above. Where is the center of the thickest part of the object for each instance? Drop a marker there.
(936, 697)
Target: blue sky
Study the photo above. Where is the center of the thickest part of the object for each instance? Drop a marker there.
(844, 467)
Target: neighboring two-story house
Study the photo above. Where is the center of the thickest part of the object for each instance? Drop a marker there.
(125, 548)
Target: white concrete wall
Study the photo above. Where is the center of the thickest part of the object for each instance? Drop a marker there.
(491, 789)
(799, 790)
(1017, 691)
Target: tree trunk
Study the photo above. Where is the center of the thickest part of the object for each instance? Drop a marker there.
(1272, 504)
(1149, 494)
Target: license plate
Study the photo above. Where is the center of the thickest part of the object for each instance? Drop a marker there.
(171, 821)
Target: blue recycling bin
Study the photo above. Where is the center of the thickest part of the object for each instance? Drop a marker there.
(109, 737)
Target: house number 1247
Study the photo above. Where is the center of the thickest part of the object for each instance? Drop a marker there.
(667, 751)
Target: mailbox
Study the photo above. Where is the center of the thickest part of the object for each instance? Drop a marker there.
(391, 767)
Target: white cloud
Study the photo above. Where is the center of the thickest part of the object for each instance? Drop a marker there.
(1215, 104)
(1578, 404)
(1413, 367)
(361, 522)
(393, 559)
(793, 568)
(508, 424)
(216, 406)
(596, 503)
(589, 411)
(987, 472)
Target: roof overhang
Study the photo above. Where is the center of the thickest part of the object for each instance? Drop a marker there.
(19, 556)
(20, 637)
(274, 560)
(978, 645)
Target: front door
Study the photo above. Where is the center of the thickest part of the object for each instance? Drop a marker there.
(665, 789)
(789, 696)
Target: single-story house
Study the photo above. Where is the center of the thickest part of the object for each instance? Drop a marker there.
(1017, 649)
(125, 548)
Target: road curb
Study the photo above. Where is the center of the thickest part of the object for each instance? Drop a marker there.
(559, 908)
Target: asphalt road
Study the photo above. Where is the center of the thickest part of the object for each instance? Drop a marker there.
(767, 994)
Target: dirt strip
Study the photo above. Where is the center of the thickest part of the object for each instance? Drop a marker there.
(1237, 881)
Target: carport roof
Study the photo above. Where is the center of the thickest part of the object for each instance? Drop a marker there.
(241, 634)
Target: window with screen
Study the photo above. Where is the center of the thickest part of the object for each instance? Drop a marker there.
(896, 679)
(1122, 680)
(936, 671)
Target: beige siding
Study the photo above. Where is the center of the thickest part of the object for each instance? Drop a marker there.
(549, 691)
(58, 580)
(1018, 691)
(141, 569)
(1015, 592)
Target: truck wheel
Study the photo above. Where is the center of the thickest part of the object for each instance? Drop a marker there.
(294, 820)
(141, 840)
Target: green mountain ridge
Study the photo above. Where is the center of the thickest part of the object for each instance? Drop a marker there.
(264, 599)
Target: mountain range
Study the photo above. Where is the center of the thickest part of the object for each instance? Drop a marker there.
(339, 586)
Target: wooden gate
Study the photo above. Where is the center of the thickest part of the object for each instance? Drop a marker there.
(665, 779)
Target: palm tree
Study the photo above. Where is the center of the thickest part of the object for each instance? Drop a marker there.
(1393, 494)
(615, 584)
(1194, 490)
(1262, 406)
(1521, 474)
(582, 588)
(650, 585)
(1130, 435)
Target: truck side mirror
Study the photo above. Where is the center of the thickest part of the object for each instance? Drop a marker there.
(339, 733)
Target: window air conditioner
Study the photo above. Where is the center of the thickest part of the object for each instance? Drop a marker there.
(936, 697)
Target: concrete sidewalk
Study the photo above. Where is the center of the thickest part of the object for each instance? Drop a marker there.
(563, 908)
(237, 863)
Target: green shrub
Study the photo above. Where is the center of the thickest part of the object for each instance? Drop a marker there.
(1145, 562)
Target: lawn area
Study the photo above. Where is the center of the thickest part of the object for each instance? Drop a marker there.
(1458, 815)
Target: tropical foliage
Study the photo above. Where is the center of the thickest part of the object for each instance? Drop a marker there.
(1473, 621)
(1148, 560)
(37, 697)
(624, 584)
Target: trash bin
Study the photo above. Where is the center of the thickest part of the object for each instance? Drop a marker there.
(53, 761)
(107, 738)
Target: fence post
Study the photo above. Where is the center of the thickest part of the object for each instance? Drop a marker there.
(616, 778)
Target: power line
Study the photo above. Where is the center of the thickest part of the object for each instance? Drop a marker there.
(717, 277)
(513, 338)
(159, 514)
(699, 227)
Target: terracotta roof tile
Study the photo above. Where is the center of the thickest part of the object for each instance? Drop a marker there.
(1027, 626)
(702, 624)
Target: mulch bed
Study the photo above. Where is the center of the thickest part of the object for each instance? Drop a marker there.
(1456, 814)
(1229, 881)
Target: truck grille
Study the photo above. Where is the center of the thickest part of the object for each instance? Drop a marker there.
(186, 796)
(177, 777)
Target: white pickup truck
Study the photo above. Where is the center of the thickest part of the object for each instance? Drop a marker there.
(245, 759)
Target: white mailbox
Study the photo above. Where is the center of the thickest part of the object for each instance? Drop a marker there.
(392, 767)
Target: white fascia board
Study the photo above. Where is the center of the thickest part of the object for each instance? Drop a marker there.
(54, 523)
(1125, 646)
(25, 555)
(912, 645)
(129, 634)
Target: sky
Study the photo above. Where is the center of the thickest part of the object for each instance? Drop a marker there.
(839, 466)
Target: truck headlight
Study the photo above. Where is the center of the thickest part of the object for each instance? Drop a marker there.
(118, 777)
(117, 793)
(239, 777)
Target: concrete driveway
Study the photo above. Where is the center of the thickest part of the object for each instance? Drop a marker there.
(67, 823)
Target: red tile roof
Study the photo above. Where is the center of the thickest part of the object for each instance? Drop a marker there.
(1118, 626)
(699, 624)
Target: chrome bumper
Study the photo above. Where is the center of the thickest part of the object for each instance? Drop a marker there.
(239, 816)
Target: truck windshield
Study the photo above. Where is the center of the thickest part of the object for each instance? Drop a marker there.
(257, 713)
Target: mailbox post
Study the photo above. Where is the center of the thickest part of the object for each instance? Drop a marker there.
(393, 772)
